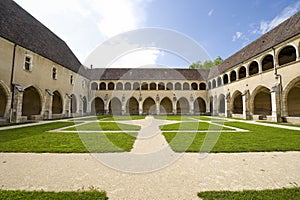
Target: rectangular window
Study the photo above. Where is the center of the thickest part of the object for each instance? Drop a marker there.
(71, 79)
(54, 73)
(28, 63)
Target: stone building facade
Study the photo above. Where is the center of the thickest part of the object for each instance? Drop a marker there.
(42, 79)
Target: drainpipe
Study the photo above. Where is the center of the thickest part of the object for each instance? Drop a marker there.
(280, 82)
(12, 83)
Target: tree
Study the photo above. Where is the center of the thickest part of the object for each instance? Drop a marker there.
(207, 64)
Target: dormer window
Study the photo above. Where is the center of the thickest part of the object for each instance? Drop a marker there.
(28, 63)
(54, 73)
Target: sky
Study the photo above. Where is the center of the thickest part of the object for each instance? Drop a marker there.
(220, 27)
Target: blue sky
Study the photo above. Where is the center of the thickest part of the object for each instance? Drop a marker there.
(221, 27)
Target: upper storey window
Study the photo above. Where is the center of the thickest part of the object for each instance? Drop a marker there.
(28, 63)
(54, 73)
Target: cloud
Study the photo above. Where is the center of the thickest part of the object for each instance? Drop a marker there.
(237, 36)
(287, 12)
(210, 12)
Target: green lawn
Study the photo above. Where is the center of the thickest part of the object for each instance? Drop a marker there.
(41, 195)
(36, 139)
(284, 194)
(181, 117)
(104, 126)
(192, 126)
(285, 124)
(260, 138)
(125, 117)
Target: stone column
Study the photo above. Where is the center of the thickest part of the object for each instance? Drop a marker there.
(227, 105)
(67, 109)
(157, 104)
(191, 104)
(174, 104)
(215, 106)
(16, 111)
(275, 103)
(246, 104)
(140, 105)
(106, 105)
(123, 105)
(47, 111)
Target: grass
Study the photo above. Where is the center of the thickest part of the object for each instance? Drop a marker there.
(260, 138)
(286, 193)
(37, 139)
(41, 195)
(285, 124)
(125, 117)
(104, 126)
(181, 117)
(192, 126)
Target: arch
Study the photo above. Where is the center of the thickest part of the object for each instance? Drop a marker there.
(177, 86)
(119, 86)
(291, 98)
(136, 86)
(225, 79)
(84, 104)
(127, 86)
(152, 86)
(111, 86)
(233, 76)
(209, 85)
(199, 106)
(57, 103)
(194, 86)
(267, 62)
(132, 106)
(3, 100)
(166, 106)
(115, 106)
(287, 55)
(169, 86)
(237, 103)
(214, 84)
(102, 86)
(242, 72)
(73, 103)
(221, 107)
(97, 106)
(202, 86)
(94, 86)
(161, 86)
(182, 106)
(219, 81)
(31, 104)
(149, 106)
(253, 68)
(145, 86)
(261, 101)
(186, 86)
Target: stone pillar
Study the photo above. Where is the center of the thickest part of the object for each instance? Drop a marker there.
(246, 104)
(275, 102)
(227, 105)
(67, 109)
(140, 105)
(215, 106)
(157, 104)
(47, 111)
(123, 112)
(106, 104)
(191, 104)
(16, 111)
(174, 104)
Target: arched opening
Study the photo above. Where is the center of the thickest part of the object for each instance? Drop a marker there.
(57, 104)
(186, 86)
(119, 86)
(132, 106)
(209, 85)
(214, 84)
(225, 79)
(182, 106)
(97, 106)
(293, 101)
(111, 86)
(169, 86)
(149, 107)
(253, 68)
(194, 86)
(287, 55)
(237, 105)
(166, 106)
(144, 86)
(161, 86)
(73, 104)
(242, 72)
(127, 86)
(84, 104)
(177, 86)
(219, 81)
(267, 63)
(199, 106)
(202, 86)
(221, 108)
(94, 86)
(136, 86)
(262, 102)
(115, 106)
(232, 76)
(31, 104)
(3, 101)
(102, 86)
(152, 86)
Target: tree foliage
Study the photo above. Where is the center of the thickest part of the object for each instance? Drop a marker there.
(207, 64)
